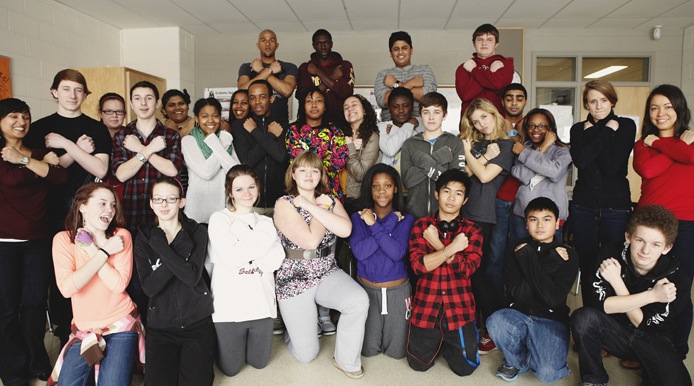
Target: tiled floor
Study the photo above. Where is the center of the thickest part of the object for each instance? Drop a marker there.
(283, 369)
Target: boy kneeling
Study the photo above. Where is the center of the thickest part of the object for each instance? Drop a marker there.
(638, 292)
(445, 250)
(533, 332)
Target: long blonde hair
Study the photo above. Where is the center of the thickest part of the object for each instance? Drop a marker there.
(467, 129)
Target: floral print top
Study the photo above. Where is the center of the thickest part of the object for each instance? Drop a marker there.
(328, 142)
(296, 276)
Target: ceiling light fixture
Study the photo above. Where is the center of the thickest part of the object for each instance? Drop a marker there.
(604, 72)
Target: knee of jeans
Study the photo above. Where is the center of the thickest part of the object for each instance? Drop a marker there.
(548, 375)
(584, 319)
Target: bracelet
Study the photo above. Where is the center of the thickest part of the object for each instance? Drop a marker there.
(445, 254)
(106, 252)
(485, 158)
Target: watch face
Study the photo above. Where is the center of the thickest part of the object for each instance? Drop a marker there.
(24, 160)
(140, 157)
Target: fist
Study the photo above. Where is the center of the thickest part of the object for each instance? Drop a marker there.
(460, 242)
(324, 201)
(275, 128)
(492, 151)
(518, 148)
(158, 144)
(687, 137)
(496, 65)
(469, 65)
(312, 69)
(276, 67)
(114, 245)
(132, 143)
(612, 124)
(51, 158)
(249, 125)
(389, 80)
(367, 215)
(86, 143)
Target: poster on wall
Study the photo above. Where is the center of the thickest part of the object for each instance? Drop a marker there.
(223, 95)
(5, 78)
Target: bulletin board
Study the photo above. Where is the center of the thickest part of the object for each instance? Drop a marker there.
(5, 78)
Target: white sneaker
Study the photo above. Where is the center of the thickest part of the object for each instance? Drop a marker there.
(327, 325)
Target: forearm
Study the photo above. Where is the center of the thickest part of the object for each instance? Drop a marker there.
(128, 169)
(84, 274)
(96, 165)
(39, 168)
(283, 87)
(163, 165)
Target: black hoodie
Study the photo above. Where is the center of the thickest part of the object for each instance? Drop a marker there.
(172, 274)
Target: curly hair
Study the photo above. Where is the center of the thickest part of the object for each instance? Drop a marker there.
(679, 103)
(301, 112)
(368, 126)
(655, 217)
(467, 128)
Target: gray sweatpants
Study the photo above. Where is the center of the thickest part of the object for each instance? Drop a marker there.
(336, 291)
(386, 327)
(244, 342)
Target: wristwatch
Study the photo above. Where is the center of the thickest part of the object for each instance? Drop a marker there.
(24, 160)
(396, 85)
(141, 157)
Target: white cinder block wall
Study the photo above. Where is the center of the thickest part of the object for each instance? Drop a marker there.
(688, 65)
(43, 37)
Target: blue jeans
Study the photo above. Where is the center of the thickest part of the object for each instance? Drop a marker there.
(497, 247)
(520, 231)
(593, 227)
(116, 366)
(25, 271)
(528, 341)
(594, 329)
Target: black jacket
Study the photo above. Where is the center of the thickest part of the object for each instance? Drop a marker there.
(266, 154)
(658, 318)
(602, 158)
(538, 279)
(172, 274)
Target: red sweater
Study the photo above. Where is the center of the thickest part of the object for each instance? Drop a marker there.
(667, 170)
(481, 82)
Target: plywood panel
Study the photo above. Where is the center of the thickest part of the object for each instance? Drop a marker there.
(5, 78)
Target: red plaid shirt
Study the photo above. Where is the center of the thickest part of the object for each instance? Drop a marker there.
(136, 190)
(447, 286)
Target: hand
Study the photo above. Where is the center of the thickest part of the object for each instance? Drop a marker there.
(413, 121)
(519, 247)
(158, 144)
(459, 243)
(86, 143)
(257, 65)
(496, 65)
(368, 216)
(249, 125)
(650, 138)
(276, 67)
(563, 253)
(610, 270)
(11, 155)
(312, 69)
(275, 128)
(431, 235)
(687, 137)
(469, 65)
(518, 148)
(467, 147)
(114, 245)
(357, 143)
(400, 216)
(51, 158)
(492, 151)
(301, 202)
(389, 80)
(612, 124)
(417, 81)
(388, 127)
(443, 155)
(550, 138)
(56, 141)
(664, 291)
(132, 143)
(337, 73)
(324, 201)
(587, 125)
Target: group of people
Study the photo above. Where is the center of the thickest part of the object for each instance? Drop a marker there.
(451, 235)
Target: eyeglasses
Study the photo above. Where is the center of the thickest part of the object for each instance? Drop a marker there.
(169, 200)
(541, 126)
(111, 112)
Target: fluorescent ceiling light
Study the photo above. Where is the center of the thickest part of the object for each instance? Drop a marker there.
(605, 71)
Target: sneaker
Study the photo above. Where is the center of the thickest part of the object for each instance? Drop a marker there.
(327, 325)
(509, 373)
(320, 330)
(278, 327)
(487, 345)
(352, 374)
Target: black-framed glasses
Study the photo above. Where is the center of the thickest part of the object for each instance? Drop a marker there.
(169, 200)
(541, 126)
(111, 112)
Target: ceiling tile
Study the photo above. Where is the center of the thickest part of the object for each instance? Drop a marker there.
(573, 22)
(375, 24)
(482, 9)
(318, 10)
(200, 29)
(163, 12)
(286, 26)
(111, 13)
(520, 22)
(235, 28)
(330, 25)
(534, 8)
(589, 8)
(641, 8)
(614, 22)
(466, 23)
(260, 11)
(212, 11)
(414, 24)
(418, 9)
(370, 9)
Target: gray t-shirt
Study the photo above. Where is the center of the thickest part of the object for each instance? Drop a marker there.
(481, 204)
(279, 108)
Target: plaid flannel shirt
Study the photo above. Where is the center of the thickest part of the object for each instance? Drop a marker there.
(136, 190)
(448, 285)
